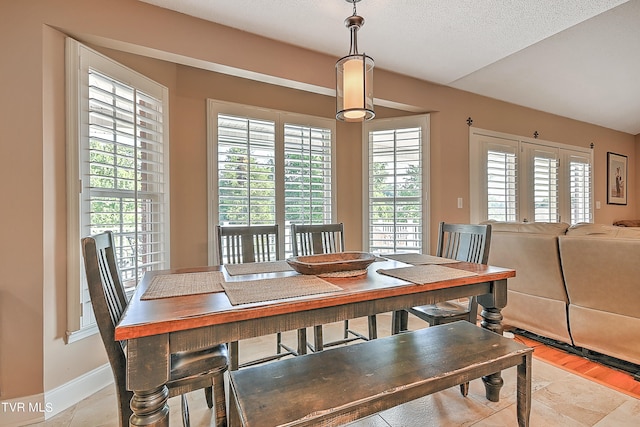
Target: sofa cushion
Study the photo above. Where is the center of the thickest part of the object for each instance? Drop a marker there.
(602, 273)
(551, 228)
(603, 230)
(536, 298)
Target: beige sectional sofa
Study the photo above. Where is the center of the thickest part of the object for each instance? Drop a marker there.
(579, 285)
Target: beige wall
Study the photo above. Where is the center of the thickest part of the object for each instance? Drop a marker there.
(33, 356)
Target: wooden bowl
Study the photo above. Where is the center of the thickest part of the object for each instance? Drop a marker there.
(330, 263)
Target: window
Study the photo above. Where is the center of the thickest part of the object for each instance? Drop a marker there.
(268, 167)
(396, 168)
(540, 166)
(246, 171)
(501, 183)
(307, 177)
(580, 186)
(117, 171)
(520, 179)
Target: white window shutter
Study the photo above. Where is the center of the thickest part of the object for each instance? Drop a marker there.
(117, 172)
(502, 182)
(246, 171)
(395, 200)
(307, 177)
(268, 167)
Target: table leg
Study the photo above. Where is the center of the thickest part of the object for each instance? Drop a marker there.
(150, 408)
(492, 320)
(147, 375)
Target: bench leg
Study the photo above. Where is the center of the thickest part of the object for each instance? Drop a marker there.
(523, 404)
(233, 415)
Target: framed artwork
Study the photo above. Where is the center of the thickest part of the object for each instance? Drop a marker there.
(616, 179)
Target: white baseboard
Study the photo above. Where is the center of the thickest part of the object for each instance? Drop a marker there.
(36, 408)
(67, 395)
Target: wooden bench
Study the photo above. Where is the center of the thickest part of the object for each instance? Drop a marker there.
(336, 386)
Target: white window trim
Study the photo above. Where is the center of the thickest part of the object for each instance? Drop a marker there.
(215, 107)
(424, 122)
(78, 59)
(477, 172)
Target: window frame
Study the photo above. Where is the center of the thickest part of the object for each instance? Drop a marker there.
(79, 60)
(524, 149)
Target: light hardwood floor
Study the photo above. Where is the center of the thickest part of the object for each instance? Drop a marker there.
(559, 397)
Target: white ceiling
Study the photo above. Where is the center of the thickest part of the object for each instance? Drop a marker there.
(575, 58)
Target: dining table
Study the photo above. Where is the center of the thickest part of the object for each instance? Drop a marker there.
(213, 305)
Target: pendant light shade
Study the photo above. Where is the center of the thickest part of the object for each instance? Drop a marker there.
(354, 78)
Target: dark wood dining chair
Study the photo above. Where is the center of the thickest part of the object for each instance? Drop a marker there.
(189, 370)
(246, 244)
(315, 239)
(462, 242)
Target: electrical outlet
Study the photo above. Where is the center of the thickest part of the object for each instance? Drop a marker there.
(459, 202)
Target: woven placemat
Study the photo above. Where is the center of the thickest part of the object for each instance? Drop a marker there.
(174, 285)
(278, 288)
(257, 268)
(431, 273)
(420, 259)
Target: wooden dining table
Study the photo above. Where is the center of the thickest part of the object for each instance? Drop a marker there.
(155, 328)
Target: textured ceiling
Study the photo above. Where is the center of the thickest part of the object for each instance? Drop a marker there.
(574, 58)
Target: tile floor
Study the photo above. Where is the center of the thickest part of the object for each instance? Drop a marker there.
(559, 398)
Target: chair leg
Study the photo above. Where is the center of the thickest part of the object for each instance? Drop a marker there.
(318, 341)
(302, 341)
(185, 410)
(221, 400)
(124, 400)
(278, 343)
(346, 329)
(373, 327)
(464, 389)
(233, 356)
(399, 321)
(208, 395)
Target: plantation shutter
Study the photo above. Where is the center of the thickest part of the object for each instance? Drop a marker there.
(580, 181)
(307, 177)
(125, 174)
(543, 162)
(502, 183)
(246, 171)
(395, 217)
(117, 173)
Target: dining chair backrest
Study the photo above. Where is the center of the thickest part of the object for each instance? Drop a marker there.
(464, 242)
(109, 302)
(317, 238)
(243, 244)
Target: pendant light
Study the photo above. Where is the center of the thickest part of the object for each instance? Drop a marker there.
(354, 78)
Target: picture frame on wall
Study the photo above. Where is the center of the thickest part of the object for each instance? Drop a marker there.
(617, 190)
